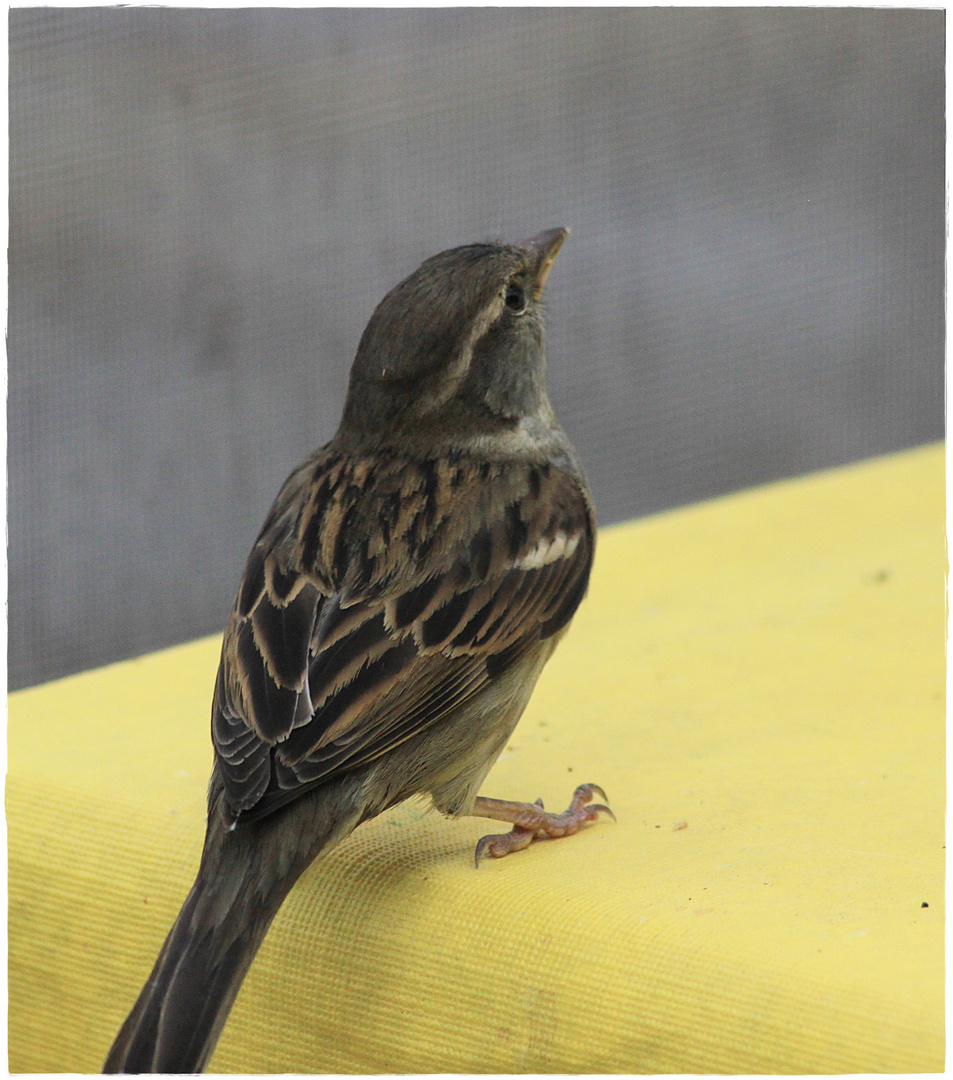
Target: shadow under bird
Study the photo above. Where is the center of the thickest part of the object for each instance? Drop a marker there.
(411, 580)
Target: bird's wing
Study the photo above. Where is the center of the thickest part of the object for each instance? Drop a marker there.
(378, 599)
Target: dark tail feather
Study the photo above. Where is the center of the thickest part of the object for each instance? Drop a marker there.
(246, 873)
(175, 1023)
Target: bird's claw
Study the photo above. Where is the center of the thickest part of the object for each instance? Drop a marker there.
(531, 822)
(496, 845)
(592, 789)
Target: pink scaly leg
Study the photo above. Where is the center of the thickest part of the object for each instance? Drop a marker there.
(530, 821)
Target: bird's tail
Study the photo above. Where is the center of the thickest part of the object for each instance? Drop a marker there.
(246, 873)
(176, 1021)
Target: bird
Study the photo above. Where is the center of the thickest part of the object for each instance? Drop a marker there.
(410, 581)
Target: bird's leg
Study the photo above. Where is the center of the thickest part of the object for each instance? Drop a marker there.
(530, 821)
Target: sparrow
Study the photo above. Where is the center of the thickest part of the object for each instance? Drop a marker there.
(410, 581)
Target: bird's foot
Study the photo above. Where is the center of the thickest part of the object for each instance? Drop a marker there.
(530, 821)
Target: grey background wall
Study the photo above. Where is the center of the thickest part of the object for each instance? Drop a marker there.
(205, 206)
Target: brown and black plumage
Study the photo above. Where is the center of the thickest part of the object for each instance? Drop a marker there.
(410, 582)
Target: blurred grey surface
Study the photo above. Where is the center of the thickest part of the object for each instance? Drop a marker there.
(206, 205)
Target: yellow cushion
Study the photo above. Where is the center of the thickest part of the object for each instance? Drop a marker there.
(756, 681)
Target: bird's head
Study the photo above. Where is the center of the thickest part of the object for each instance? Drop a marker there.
(456, 348)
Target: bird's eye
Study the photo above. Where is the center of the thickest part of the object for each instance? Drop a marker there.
(515, 298)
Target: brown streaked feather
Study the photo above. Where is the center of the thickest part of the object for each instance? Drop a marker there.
(381, 595)
(282, 633)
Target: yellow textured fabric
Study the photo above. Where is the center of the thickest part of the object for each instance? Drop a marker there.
(757, 682)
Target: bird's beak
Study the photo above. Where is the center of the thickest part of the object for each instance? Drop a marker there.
(545, 247)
